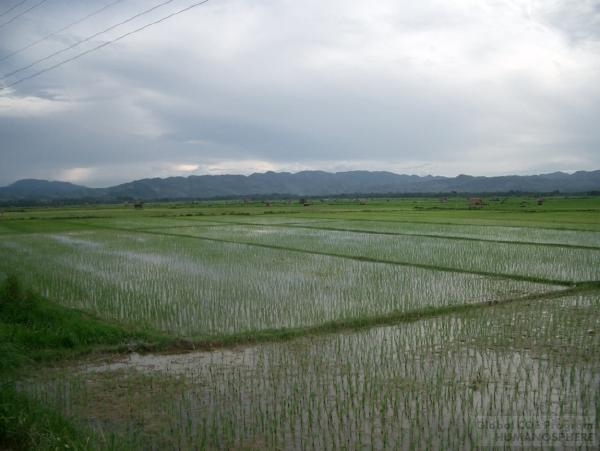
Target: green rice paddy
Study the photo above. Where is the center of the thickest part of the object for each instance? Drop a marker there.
(387, 324)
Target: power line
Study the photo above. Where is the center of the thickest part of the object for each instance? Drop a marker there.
(22, 13)
(65, 28)
(112, 27)
(12, 7)
(123, 36)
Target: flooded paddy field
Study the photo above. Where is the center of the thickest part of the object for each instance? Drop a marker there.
(519, 260)
(188, 286)
(327, 327)
(427, 384)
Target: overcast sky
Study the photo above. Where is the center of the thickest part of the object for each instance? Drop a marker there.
(240, 86)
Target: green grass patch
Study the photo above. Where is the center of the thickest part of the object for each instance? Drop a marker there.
(33, 329)
(25, 424)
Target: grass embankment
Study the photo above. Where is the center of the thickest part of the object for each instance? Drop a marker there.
(32, 331)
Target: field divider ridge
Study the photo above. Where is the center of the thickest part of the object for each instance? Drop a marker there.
(211, 342)
(375, 232)
(473, 224)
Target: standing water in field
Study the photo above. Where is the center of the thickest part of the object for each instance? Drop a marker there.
(190, 286)
(430, 384)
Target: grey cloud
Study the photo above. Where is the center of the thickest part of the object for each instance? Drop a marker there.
(301, 84)
(578, 19)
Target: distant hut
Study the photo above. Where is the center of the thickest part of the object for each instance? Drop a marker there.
(475, 203)
(138, 205)
(541, 201)
(444, 200)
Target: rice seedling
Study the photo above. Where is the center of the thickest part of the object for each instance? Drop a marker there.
(196, 287)
(492, 233)
(535, 261)
(142, 222)
(431, 384)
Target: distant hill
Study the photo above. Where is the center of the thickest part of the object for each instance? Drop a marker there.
(41, 190)
(305, 183)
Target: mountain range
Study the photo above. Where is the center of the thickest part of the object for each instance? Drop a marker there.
(305, 183)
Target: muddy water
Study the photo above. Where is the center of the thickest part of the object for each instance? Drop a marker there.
(176, 364)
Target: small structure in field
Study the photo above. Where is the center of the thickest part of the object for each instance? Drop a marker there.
(541, 201)
(476, 202)
(138, 205)
(444, 200)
